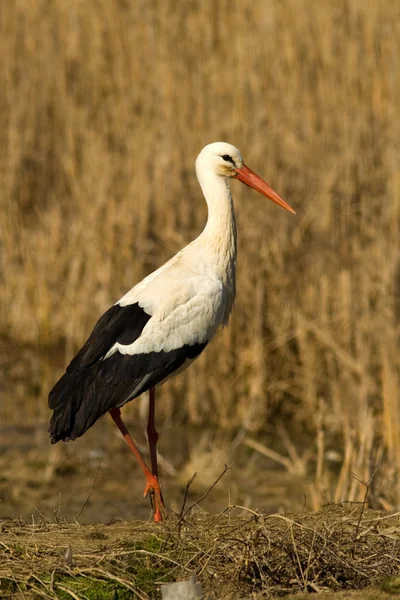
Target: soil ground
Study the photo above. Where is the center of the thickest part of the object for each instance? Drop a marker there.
(69, 526)
(85, 498)
(234, 555)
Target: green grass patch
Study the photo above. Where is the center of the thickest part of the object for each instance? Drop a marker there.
(90, 588)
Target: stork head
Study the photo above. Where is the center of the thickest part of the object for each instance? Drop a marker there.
(225, 160)
(221, 158)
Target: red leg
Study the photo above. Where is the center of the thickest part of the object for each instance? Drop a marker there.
(152, 481)
(152, 434)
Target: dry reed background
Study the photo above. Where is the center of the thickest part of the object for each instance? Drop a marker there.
(104, 106)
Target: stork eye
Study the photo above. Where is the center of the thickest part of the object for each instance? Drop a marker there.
(228, 158)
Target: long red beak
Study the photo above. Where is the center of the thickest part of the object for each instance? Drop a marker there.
(247, 176)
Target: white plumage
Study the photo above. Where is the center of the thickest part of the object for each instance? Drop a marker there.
(164, 322)
(186, 306)
(190, 296)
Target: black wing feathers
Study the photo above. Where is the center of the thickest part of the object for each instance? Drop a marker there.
(118, 323)
(122, 324)
(92, 386)
(120, 378)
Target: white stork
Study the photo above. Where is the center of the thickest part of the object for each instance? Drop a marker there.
(163, 323)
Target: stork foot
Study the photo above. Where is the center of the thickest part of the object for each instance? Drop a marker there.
(152, 485)
(157, 503)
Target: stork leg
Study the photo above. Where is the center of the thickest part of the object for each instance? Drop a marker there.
(152, 485)
(152, 436)
(152, 433)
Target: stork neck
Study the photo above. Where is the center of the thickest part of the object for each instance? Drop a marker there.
(220, 230)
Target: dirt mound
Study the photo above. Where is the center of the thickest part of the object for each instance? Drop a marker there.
(233, 555)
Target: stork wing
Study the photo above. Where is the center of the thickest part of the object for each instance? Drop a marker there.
(122, 324)
(94, 382)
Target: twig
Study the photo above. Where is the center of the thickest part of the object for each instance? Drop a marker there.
(107, 575)
(180, 517)
(140, 551)
(52, 580)
(68, 590)
(57, 514)
(286, 462)
(298, 560)
(42, 515)
(40, 593)
(91, 489)
(204, 496)
(368, 485)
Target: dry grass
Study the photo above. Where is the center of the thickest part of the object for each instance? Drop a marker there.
(233, 556)
(104, 106)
